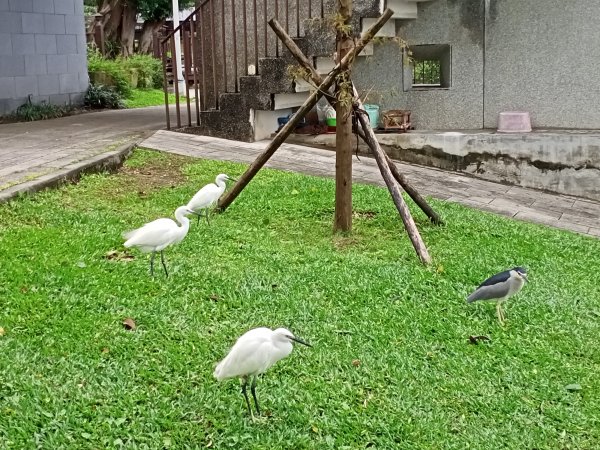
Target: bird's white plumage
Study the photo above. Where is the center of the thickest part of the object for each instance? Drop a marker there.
(209, 194)
(254, 352)
(160, 233)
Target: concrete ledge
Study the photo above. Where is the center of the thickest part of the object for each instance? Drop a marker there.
(108, 161)
(560, 161)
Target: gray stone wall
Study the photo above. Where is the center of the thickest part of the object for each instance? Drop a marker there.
(541, 56)
(42, 52)
(439, 22)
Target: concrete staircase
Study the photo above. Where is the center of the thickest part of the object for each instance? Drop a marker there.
(251, 113)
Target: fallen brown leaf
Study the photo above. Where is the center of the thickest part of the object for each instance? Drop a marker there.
(214, 297)
(475, 339)
(1, 331)
(105, 350)
(117, 255)
(129, 324)
(356, 362)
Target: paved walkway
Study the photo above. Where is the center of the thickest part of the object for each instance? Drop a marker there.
(29, 150)
(34, 151)
(559, 211)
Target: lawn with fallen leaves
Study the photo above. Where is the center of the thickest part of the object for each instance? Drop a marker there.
(95, 353)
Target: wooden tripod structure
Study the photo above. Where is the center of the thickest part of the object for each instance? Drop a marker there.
(392, 177)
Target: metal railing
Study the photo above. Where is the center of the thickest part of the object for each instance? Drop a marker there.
(222, 40)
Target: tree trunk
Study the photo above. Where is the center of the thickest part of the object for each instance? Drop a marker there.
(112, 12)
(316, 79)
(128, 28)
(146, 40)
(343, 135)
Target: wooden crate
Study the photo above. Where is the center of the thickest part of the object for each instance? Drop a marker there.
(396, 119)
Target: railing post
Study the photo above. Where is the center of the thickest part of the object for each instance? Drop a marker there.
(195, 65)
(165, 83)
(223, 45)
(235, 66)
(186, 75)
(175, 79)
(245, 71)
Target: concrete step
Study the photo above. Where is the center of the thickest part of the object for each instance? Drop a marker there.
(289, 100)
(274, 75)
(403, 9)
(388, 30)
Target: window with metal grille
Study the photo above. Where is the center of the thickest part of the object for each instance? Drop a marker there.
(427, 73)
(429, 67)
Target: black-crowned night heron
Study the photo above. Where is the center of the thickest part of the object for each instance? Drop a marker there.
(499, 287)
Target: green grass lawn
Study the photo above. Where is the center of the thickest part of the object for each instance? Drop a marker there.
(141, 98)
(391, 365)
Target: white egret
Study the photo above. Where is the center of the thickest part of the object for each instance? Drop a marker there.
(157, 235)
(208, 196)
(252, 354)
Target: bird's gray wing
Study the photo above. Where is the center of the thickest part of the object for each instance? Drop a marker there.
(488, 292)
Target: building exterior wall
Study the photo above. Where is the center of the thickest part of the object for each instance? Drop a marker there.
(543, 56)
(42, 52)
(540, 56)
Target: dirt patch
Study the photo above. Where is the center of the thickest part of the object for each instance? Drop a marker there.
(363, 214)
(343, 242)
(156, 174)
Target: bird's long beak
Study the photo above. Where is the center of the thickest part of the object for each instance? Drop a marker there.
(300, 341)
(231, 179)
(525, 278)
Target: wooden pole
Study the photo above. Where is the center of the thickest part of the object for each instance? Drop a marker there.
(343, 130)
(317, 80)
(401, 179)
(393, 187)
(310, 102)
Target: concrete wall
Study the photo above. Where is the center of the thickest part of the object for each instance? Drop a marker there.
(561, 161)
(543, 56)
(42, 52)
(540, 56)
(457, 23)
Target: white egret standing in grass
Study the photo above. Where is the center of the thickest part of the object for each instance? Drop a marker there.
(157, 235)
(208, 196)
(252, 354)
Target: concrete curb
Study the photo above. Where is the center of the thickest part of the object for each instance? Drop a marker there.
(108, 161)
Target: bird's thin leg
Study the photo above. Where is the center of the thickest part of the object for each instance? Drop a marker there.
(206, 212)
(499, 312)
(198, 215)
(244, 381)
(253, 389)
(162, 260)
(152, 264)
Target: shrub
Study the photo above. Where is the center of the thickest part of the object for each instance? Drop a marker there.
(150, 72)
(100, 96)
(29, 111)
(108, 71)
(118, 72)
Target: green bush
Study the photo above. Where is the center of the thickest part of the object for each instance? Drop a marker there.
(150, 72)
(29, 111)
(108, 72)
(119, 72)
(99, 96)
